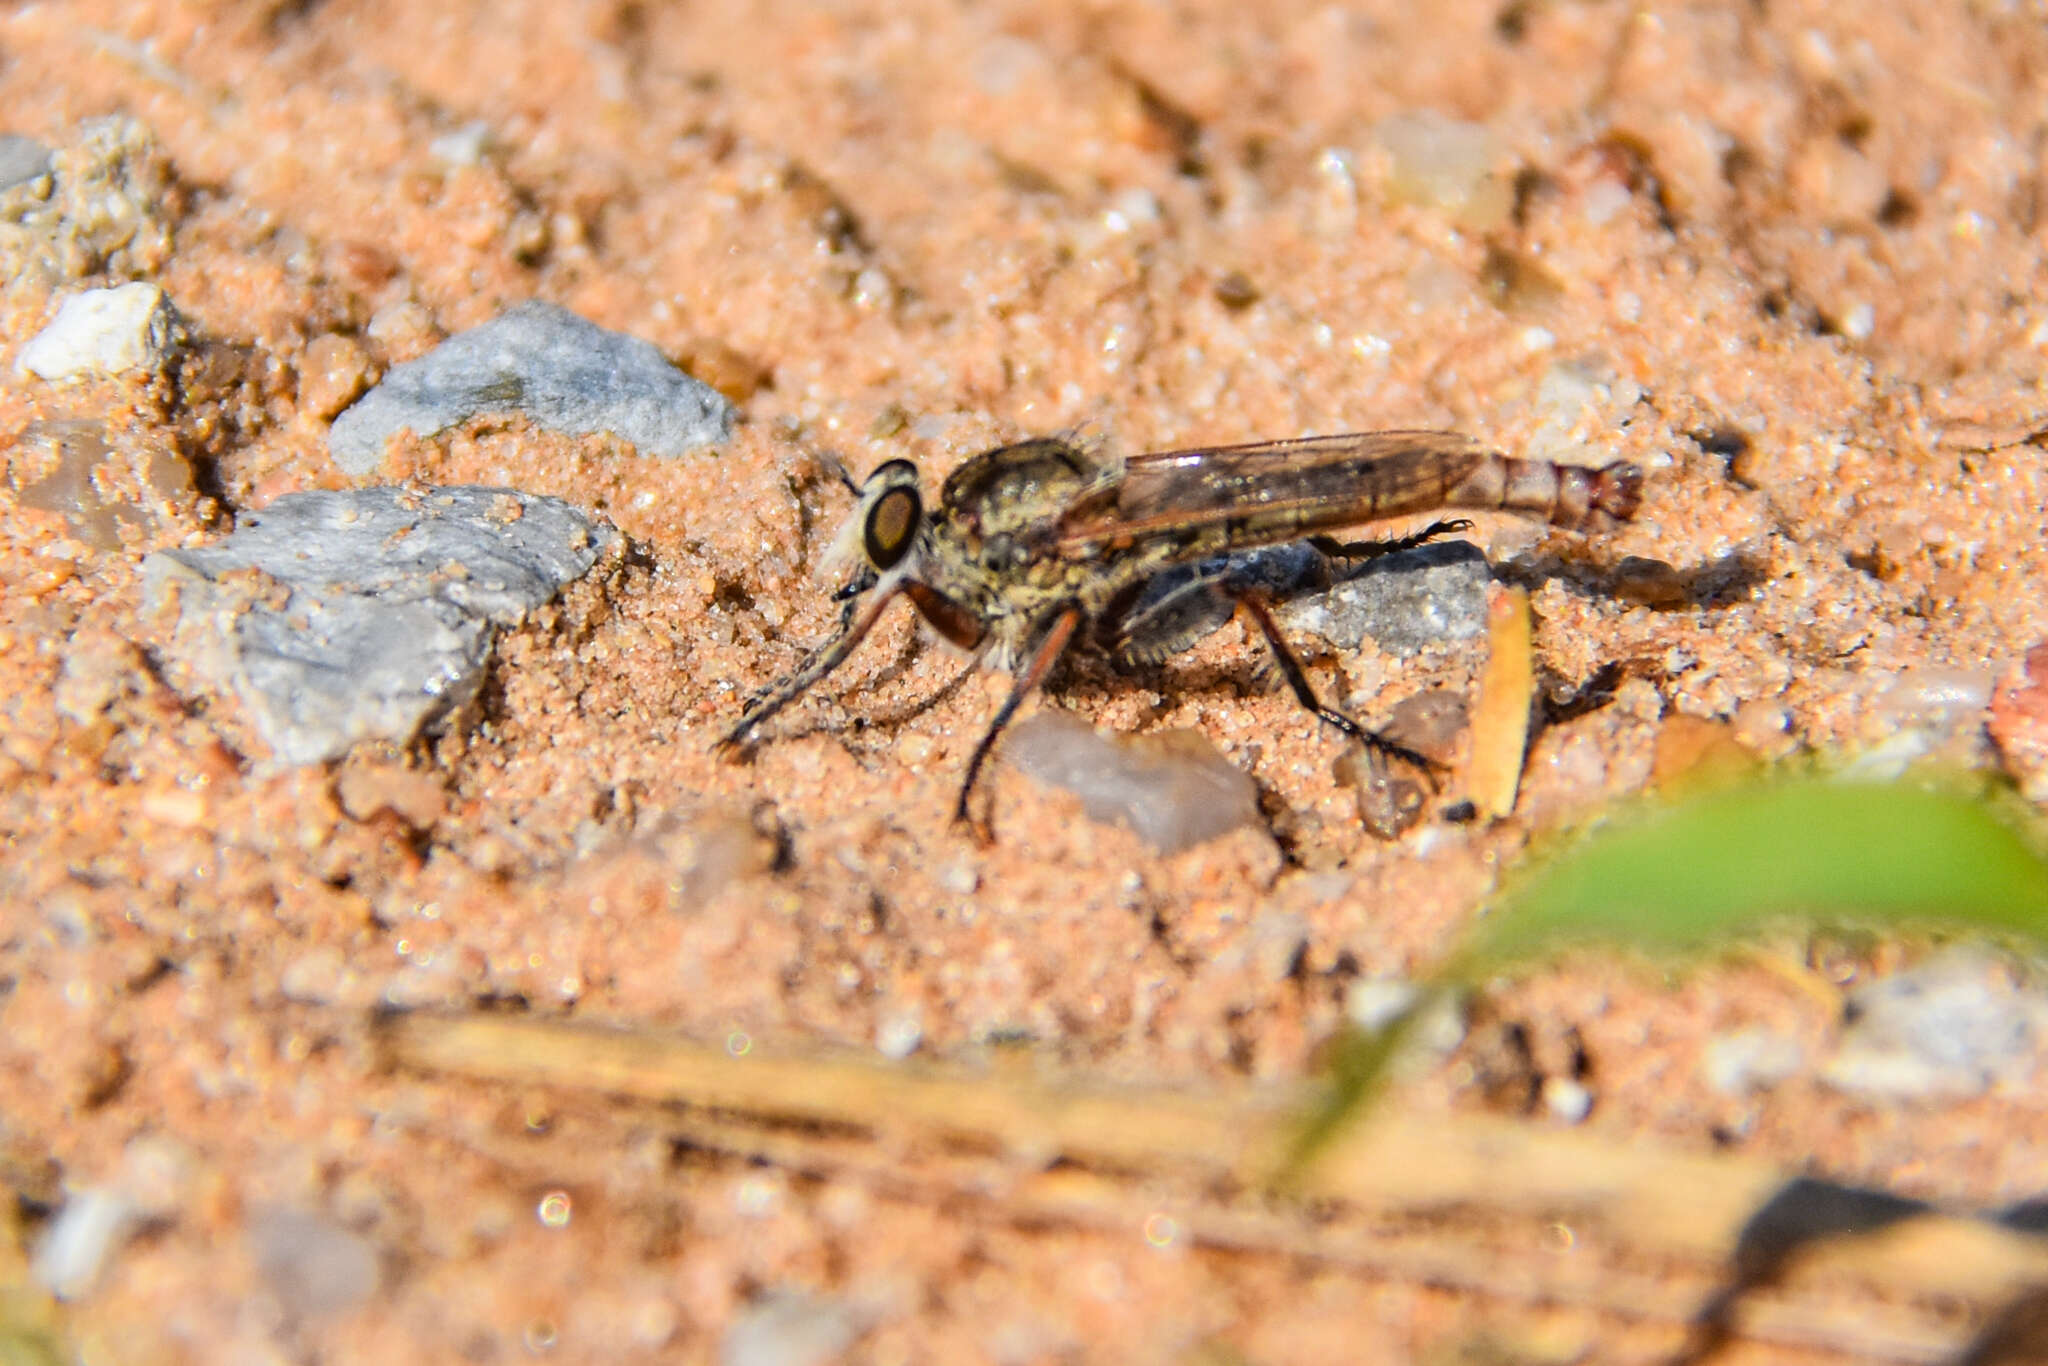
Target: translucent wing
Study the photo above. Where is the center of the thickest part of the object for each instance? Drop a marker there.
(1277, 490)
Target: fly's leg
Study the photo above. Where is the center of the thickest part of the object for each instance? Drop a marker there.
(856, 619)
(1297, 681)
(1043, 656)
(1367, 550)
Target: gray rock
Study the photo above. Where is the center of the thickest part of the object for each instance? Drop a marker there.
(1176, 791)
(21, 160)
(313, 1266)
(1748, 1060)
(1374, 1003)
(1954, 1026)
(1401, 602)
(392, 601)
(540, 360)
(789, 1328)
(94, 1224)
(104, 332)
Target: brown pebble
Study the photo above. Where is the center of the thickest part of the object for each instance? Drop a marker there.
(364, 264)
(365, 789)
(1430, 723)
(2019, 723)
(1650, 583)
(1388, 803)
(1691, 747)
(732, 373)
(333, 372)
(1236, 291)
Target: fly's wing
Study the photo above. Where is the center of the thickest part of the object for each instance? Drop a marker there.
(1273, 491)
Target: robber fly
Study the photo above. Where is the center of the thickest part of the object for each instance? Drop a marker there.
(1039, 547)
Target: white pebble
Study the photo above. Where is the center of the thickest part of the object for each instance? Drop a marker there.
(104, 332)
(89, 1229)
(1567, 1100)
(1750, 1060)
(898, 1036)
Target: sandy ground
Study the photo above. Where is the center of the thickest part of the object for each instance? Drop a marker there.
(1790, 258)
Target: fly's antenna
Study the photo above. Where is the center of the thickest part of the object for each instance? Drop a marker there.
(837, 469)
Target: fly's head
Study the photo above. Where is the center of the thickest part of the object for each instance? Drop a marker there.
(887, 529)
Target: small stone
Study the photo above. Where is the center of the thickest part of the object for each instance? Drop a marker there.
(1236, 291)
(1941, 698)
(1373, 1003)
(1650, 583)
(1278, 941)
(1567, 1100)
(541, 361)
(158, 1173)
(1954, 1026)
(1430, 723)
(104, 332)
(465, 146)
(1174, 790)
(1445, 163)
(333, 372)
(368, 790)
(379, 611)
(898, 1035)
(736, 375)
(22, 159)
(1389, 799)
(1692, 747)
(789, 1328)
(402, 326)
(1390, 803)
(1750, 1060)
(2019, 723)
(1402, 602)
(92, 1226)
(320, 976)
(315, 1267)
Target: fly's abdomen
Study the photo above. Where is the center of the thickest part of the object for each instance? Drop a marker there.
(1571, 496)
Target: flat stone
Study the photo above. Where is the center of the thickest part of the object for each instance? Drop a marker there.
(541, 361)
(1175, 790)
(787, 1327)
(1402, 602)
(391, 601)
(312, 1265)
(1954, 1026)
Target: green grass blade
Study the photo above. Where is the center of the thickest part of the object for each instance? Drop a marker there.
(1703, 871)
(1687, 876)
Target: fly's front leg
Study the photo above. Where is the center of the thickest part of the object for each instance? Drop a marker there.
(1297, 681)
(1043, 656)
(856, 619)
(1367, 550)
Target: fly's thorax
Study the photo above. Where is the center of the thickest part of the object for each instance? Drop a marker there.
(1018, 492)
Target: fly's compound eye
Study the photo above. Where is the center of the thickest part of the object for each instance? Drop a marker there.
(892, 526)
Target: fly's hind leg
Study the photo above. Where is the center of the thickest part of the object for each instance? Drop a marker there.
(1368, 550)
(1297, 681)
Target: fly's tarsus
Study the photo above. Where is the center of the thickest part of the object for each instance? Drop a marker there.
(1366, 550)
(1037, 547)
